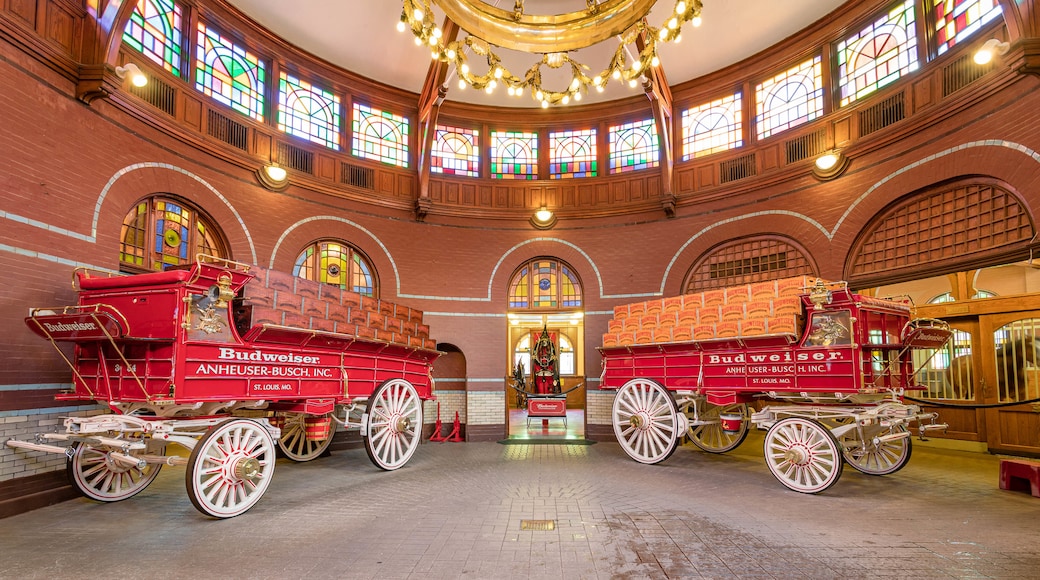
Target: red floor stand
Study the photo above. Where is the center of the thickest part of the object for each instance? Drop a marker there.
(436, 435)
(1017, 475)
(456, 431)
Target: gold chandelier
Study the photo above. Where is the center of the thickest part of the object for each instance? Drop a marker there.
(552, 37)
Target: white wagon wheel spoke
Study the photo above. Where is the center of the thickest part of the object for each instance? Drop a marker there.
(230, 468)
(97, 475)
(803, 455)
(394, 424)
(645, 419)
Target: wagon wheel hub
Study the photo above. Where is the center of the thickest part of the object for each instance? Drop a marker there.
(247, 468)
(636, 421)
(797, 455)
(403, 424)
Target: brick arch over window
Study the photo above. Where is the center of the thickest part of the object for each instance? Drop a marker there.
(967, 223)
(545, 284)
(766, 257)
(163, 231)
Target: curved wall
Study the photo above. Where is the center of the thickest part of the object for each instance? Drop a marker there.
(71, 171)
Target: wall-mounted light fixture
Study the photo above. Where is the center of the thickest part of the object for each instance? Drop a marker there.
(543, 219)
(830, 165)
(273, 177)
(137, 78)
(991, 48)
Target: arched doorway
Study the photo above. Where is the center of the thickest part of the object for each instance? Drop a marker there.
(545, 296)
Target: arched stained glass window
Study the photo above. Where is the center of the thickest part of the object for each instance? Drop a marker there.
(155, 31)
(545, 284)
(789, 99)
(572, 154)
(308, 112)
(514, 155)
(456, 151)
(380, 135)
(633, 146)
(337, 263)
(956, 20)
(712, 127)
(879, 54)
(229, 73)
(162, 232)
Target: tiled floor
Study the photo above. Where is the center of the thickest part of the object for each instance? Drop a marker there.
(554, 428)
(455, 511)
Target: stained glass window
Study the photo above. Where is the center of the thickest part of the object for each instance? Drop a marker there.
(879, 54)
(380, 135)
(229, 73)
(789, 99)
(339, 264)
(572, 154)
(160, 233)
(712, 127)
(514, 155)
(307, 111)
(633, 146)
(456, 151)
(956, 20)
(545, 283)
(154, 30)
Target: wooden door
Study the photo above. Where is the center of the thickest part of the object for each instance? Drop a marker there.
(952, 380)
(1011, 381)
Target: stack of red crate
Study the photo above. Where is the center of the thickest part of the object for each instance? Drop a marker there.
(281, 299)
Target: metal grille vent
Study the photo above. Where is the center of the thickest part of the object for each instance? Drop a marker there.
(806, 146)
(538, 525)
(228, 131)
(157, 94)
(293, 157)
(883, 114)
(747, 266)
(738, 168)
(357, 176)
(961, 73)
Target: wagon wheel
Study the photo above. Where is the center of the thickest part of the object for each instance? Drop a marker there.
(230, 468)
(99, 476)
(646, 421)
(393, 422)
(803, 455)
(883, 459)
(294, 442)
(712, 438)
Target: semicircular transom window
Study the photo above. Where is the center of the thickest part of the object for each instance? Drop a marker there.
(337, 263)
(545, 284)
(162, 232)
(746, 261)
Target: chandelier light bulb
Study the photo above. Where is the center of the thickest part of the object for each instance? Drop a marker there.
(616, 74)
(450, 54)
(465, 69)
(575, 83)
(493, 84)
(597, 81)
(566, 99)
(400, 26)
(680, 7)
(433, 41)
(511, 91)
(437, 32)
(577, 97)
(539, 95)
(677, 39)
(599, 89)
(418, 41)
(434, 54)
(696, 21)
(663, 34)
(655, 61)
(418, 14)
(498, 72)
(462, 84)
(673, 23)
(632, 83)
(489, 89)
(545, 104)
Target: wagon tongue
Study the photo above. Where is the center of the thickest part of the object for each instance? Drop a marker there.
(927, 337)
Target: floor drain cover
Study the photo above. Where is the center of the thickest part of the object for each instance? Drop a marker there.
(538, 525)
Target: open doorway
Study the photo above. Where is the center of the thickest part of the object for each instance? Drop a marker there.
(545, 321)
(537, 409)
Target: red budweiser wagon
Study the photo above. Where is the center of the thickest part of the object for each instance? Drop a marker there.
(826, 368)
(227, 361)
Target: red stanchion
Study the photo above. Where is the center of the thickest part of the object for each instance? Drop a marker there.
(436, 435)
(456, 432)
